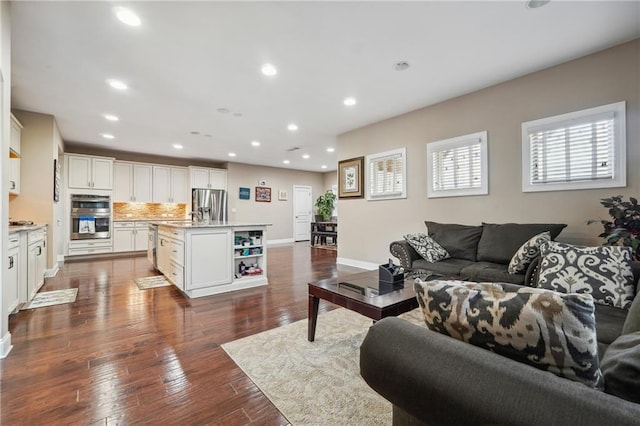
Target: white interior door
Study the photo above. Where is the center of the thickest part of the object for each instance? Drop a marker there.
(302, 209)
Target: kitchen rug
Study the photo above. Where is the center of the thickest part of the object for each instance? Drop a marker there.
(50, 298)
(151, 282)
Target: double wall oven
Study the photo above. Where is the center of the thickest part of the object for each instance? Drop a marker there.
(90, 216)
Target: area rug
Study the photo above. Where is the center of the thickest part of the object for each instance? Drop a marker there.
(151, 282)
(314, 383)
(50, 298)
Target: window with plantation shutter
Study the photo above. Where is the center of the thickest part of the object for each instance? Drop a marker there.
(386, 175)
(458, 166)
(579, 150)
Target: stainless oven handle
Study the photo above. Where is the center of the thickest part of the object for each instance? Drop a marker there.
(100, 215)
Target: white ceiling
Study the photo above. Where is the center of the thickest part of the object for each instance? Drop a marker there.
(189, 59)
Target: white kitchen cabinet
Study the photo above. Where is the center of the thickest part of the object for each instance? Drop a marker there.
(14, 176)
(84, 247)
(87, 172)
(170, 185)
(15, 143)
(132, 182)
(36, 261)
(209, 261)
(11, 289)
(130, 236)
(202, 177)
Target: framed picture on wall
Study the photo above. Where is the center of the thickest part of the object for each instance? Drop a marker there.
(245, 193)
(56, 181)
(263, 194)
(351, 178)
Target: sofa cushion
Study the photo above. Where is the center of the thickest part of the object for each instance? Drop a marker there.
(499, 242)
(548, 330)
(427, 247)
(460, 241)
(603, 271)
(609, 322)
(527, 253)
(444, 267)
(492, 272)
(621, 367)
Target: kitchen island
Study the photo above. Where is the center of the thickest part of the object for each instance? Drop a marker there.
(202, 259)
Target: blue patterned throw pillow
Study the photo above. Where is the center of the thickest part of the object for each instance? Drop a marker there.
(527, 253)
(603, 271)
(427, 247)
(548, 330)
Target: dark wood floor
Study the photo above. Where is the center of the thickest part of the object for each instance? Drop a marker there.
(120, 355)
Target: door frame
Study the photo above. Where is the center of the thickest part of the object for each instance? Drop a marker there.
(310, 188)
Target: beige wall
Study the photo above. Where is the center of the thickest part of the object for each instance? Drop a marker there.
(330, 179)
(278, 213)
(367, 227)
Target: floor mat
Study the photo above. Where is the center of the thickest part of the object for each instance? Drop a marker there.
(50, 298)
(151, 282)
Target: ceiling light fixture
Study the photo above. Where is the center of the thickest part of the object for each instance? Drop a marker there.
(324, 166)
(305, 156)
(269, 70)
(292, 127)
(232, 154)
(255, 143)
(535, 4)
(110, 117)
(177, 146)
(127, 16)
(286, 161)
(107, 136)
(401, 66)
(330, 149)
(349, 101)
(117, 84)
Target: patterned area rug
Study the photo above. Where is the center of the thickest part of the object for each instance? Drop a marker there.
(50, 298)
(151, 282)
(315, 383)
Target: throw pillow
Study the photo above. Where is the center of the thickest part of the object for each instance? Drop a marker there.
(460, 241)
(427, 247)
(604, 272)
(527, 253)
(545, 329)
(621, 367)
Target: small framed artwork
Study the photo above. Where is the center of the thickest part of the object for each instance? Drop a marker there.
(56, 180)
(351, 178)
(282, 195)
(262, 182)
(263, 194)
(245, 193)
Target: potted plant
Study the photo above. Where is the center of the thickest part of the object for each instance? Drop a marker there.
(325, 205)
(624, 228)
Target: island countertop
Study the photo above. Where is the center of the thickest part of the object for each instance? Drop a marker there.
(192, 225)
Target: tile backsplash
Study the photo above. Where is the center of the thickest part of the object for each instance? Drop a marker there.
(149, 211)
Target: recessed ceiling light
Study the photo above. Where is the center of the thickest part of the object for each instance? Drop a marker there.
(110, 117)
(350, 101)
(401, 66)
(324, 166)
(268, 69)
(107, 136)
(255, 143)
(286, 161)
(177, 146)
(232, 154)
(330, 149)
(292, 127)
(127, 16)
(117, 84)
(305, 156)
(534, 4)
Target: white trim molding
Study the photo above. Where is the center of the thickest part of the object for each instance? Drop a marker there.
(5, 345)
(357, 263)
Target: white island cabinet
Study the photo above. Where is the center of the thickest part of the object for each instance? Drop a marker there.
(205, 259)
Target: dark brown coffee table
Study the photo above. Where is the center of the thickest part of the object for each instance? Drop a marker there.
(349, 296)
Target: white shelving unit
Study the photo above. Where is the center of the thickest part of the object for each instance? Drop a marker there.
(248, 249)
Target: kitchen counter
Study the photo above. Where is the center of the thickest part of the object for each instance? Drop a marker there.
(152, 219)
(13, 229)
(187, 224)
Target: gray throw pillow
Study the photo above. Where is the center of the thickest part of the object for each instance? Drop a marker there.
(621, 367)
(603, 271)
(427, 247)
(460, 241)
(548, 330)
(527, 253)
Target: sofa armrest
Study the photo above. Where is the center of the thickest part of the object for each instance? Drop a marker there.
(440, 380)
(404, 252)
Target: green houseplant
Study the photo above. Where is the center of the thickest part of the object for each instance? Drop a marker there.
(624, 226)
(325, 205)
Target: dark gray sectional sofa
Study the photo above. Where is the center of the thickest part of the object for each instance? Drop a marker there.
(478, 253)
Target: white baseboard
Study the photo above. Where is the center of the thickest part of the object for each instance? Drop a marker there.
(60, 259)
(282, 241)
(357, 263)
(5, 345)
(48, 273)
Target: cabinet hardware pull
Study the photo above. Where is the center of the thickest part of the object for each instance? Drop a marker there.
(13, 184)
(10, 262)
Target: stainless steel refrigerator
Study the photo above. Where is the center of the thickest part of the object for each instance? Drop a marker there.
(209, 204)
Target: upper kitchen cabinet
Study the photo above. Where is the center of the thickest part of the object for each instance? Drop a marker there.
(170, 185)
(132, 182)
(16, 135)
(202, 177)
(88, 172)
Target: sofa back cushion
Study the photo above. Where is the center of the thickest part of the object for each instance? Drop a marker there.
(460, 241)
(499, 242)
(545, 329)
